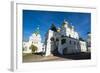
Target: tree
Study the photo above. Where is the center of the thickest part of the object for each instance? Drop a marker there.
(33, 48)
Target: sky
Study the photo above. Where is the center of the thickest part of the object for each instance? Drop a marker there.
(44, 19)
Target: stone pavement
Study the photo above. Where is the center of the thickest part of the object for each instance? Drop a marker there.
(39, 58)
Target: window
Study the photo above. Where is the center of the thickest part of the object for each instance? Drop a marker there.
(65, 50)
(25, 49)
(52, 39)
(57, 39)
(70, 42)
(63, 41)
(62, 36)
(74, 43)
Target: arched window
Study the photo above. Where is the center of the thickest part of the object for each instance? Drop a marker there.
(74, 43)
(62, 35)
(52, 39)
(70, 42)
(57, 39)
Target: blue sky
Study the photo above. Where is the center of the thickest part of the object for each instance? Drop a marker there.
(32, 19)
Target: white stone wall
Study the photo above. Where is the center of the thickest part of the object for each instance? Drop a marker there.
(76, 35)
(26, 47)
(48, 42)
(71, 47)
(35, 40)
(83, 46)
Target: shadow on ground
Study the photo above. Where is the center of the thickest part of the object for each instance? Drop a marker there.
(39, 57)
(78, 56)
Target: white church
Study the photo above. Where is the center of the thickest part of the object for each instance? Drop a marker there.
(34, 39)
(63, 40)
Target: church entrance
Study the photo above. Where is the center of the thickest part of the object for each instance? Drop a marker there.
(65, 50)
(55, 51)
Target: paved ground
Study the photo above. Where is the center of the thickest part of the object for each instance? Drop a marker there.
(39, 58)
(57, 57)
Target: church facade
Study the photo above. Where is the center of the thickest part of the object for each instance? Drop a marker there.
(64, 40)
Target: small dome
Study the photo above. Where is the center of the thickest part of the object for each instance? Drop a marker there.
(65, 23)
(58, 29)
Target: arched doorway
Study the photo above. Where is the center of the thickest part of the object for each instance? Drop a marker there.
(65, 51)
